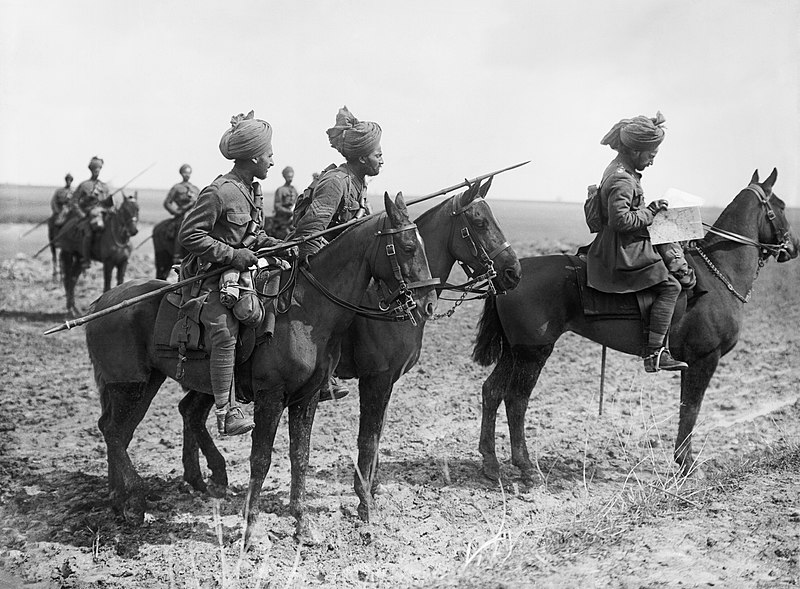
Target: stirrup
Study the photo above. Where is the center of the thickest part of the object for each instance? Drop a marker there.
(661, 359)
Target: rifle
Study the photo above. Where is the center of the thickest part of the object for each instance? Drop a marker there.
(69, 324)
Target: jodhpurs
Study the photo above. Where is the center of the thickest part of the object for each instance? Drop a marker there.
(222, 329)
(661, 312)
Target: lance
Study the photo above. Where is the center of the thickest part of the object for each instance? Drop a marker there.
(34, 228)
(71, 223)
(70, 324)
(144, 241)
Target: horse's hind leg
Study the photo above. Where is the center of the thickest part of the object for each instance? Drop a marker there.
(512, 381)
(694, 382)
(301, 420)
(123, 407)
(529, 362)
(122, 267)
(374, 393)
(194, 408)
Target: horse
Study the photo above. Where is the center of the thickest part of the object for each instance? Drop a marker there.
(112, 247)
(286, 369)
(461, 228)
(517, 332)
(164, 234)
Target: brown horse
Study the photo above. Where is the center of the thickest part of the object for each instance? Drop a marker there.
(518, 332)
(112, 247)
(461, 228)
(164, 234)
(287, 369)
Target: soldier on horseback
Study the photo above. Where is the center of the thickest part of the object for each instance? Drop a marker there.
(622, 259)
(60, 203)
(285, 199)
(219, 231)
(180, 198)
(90, 202)
(338, 195)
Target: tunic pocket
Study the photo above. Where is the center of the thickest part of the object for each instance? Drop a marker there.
(237, 218)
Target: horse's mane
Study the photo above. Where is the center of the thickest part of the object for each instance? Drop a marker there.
(431, 211)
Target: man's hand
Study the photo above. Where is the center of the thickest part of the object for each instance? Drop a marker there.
(243, 259)
(658, 205)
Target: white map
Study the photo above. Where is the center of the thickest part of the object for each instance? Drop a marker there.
(680, 222)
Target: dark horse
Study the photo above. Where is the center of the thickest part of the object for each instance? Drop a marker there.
(518, 331)
(164, 234)
(461, 228)
(286, 369)
(112, 247)
(52, 232)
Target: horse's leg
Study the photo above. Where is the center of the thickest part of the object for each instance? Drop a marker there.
(301, 420)
(529, 362)
(123, 407)
(512, 381)
(121, 268)
(55, 262)
(374, 393)
(267, 415)
(70, 271)
(194, 408)
(694, 382)
(108, 268)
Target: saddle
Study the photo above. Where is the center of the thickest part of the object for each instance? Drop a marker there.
(604, 306)
(179, 331)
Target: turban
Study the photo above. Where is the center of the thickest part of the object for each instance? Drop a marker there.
(68, 176)
(96, 161)
(247, 138)
(639, 133)
(288, 169)
(353, 138)
(183, 167)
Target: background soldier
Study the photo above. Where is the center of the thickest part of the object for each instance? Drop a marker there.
(180, 198)
(90, 201)
(285, 199)
(60, 202)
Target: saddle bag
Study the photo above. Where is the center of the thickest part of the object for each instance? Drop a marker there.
(591, 209)
(186, 333)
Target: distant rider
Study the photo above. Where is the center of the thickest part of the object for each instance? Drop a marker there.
(180, 198)
(91, 201)
(60, 202)
(285, 200)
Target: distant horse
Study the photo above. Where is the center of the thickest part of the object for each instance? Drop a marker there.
(164, 234)
(286, 369)
(52, 232)
(518, 331)
(461, 228)
(112, 247)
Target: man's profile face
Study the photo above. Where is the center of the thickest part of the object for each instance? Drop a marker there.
(95, 170)
(263, 163)
(373, 162)
(643, 159)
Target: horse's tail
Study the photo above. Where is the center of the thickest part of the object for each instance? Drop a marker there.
(491, 338)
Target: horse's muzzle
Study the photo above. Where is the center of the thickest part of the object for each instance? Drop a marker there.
(790, 249)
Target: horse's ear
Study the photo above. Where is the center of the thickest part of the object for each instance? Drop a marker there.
(400, 202)
(485, 187)
(754, 179)
(392, 211)
(770, 181)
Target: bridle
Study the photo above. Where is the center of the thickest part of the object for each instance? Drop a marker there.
(396, 304)
(765, 250)
(480, 285)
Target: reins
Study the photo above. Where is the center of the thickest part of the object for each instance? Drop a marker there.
(402, 295)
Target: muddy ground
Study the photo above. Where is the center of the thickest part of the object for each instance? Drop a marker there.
(608, 509)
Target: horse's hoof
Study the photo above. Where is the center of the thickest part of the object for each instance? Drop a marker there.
(528, 476)
(133, 511)
(307, 534)
(216, 490)
(491, 470)
(198, 484)
(364, 510)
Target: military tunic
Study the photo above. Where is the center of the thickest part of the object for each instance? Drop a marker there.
(60, 205)
(90, 194)
(338, 197)
(622, 258)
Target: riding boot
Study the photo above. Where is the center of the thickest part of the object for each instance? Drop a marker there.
(659, 358)
(231, 420)
(333, 389)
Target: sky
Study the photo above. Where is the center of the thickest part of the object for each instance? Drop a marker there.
(460, 88)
